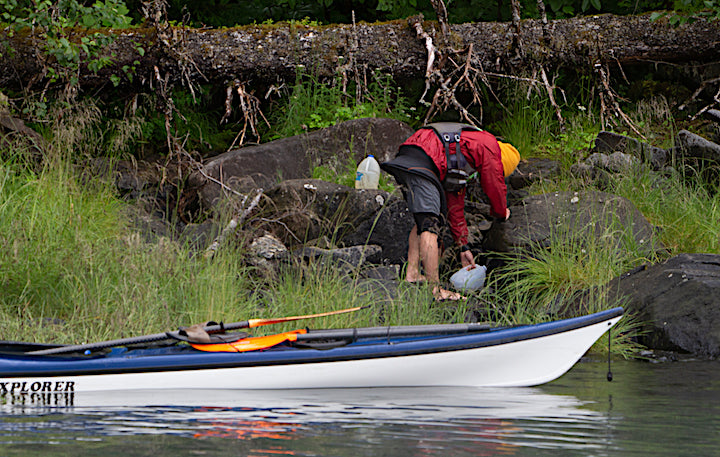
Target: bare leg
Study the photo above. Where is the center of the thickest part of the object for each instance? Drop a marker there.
(430, 255)
(413, 268)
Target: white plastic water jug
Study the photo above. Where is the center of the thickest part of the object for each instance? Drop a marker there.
(471, 277)
(368, 174)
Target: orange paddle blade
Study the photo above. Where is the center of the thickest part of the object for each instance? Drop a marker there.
(258, 322)
(255, 343)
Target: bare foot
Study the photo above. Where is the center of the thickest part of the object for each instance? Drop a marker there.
(418, 278)
(441, 294)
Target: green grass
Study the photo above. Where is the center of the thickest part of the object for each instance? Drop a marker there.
(69, 255)
(318, 288)
(685, 211)
(529, 125)
(566, 279)
(73, 271)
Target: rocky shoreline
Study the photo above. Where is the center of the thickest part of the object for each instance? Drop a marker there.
(300, 217)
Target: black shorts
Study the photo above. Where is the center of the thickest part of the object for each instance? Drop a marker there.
(421, 195)
(427, 222)
(417, 176)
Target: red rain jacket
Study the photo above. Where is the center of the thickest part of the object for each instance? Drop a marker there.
(482, 152)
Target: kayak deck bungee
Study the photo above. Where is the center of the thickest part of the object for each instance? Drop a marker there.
(209, 329)
(369, 357)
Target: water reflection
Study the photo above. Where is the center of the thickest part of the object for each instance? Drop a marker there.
(422, 421)
(645, 409)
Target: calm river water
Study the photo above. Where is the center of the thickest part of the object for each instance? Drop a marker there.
(668, 409)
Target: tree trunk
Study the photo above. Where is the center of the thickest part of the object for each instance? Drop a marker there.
(269, 53)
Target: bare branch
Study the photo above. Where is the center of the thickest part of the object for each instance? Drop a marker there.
(230, 228)
(442, 17)
(551, 97)
(250, 110)
(704, 85)
(608, 102)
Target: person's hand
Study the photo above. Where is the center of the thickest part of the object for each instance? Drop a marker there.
(466, 258)
(507, 213)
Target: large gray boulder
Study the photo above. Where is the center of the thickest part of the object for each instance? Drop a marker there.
(300, 211)
(264, 165)
(696, 147)
(542, 219)
(678, 301)
(533, 170)
(607, 143)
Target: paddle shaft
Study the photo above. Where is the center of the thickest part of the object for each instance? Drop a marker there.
(393, 332)
(210, 329)
(133, 340)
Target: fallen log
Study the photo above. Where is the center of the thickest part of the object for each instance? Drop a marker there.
(270, 52)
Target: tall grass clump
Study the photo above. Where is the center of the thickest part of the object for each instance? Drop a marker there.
(566, 278)
(319, 287)
(685, 210)
(683, 205)
(528, 122)
(653, 119)
(531, 123)
(72, 269)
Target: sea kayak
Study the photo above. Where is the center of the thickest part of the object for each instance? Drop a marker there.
(446, 355)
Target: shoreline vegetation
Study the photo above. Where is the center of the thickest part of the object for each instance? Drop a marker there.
(74, 270)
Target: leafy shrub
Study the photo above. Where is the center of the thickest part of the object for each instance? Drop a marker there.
(54, 23)
(312, 104)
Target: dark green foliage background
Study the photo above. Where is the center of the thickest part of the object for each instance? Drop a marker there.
(239, 12)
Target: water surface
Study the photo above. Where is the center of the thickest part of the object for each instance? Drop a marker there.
(670, 409)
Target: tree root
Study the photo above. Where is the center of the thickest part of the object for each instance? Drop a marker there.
(609, 106)
(249, 109)
(551, 97)
(445, 95)
(448, 77)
